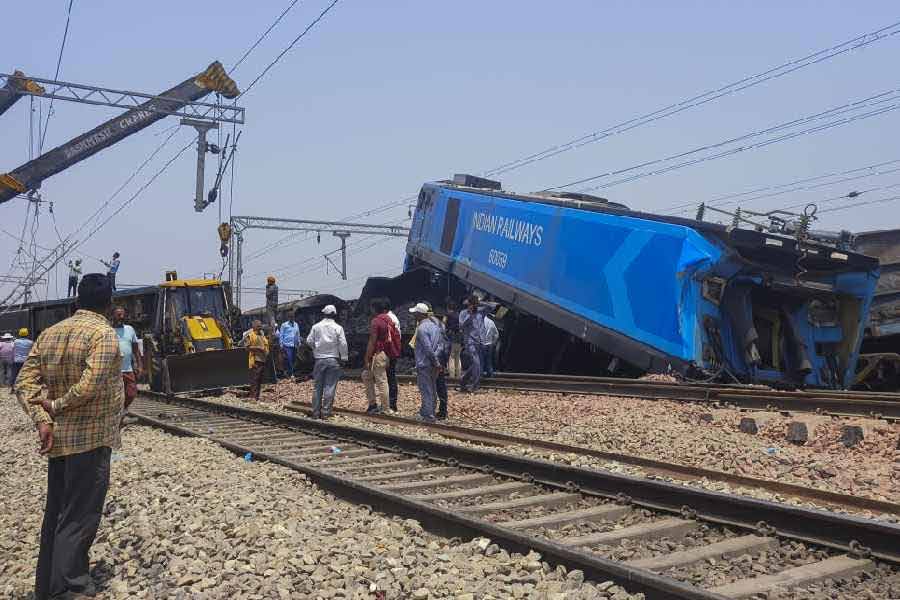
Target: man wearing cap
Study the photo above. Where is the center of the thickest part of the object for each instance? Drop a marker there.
(428, 345)
(6, 359)
(77, 363)
(329, 346)
(21, 348)
(271, 301)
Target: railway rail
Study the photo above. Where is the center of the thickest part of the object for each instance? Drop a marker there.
(842, 403)
(576, 517)
(652, 466)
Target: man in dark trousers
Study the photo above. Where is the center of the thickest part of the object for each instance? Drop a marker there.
(78, 362)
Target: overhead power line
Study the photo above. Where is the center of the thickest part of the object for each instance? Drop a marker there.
(263, 36)
(797, 185)
(62, 48)
(744, 83)
(878, 104)
(290, 46)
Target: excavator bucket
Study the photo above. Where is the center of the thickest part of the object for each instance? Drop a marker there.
(211, 370)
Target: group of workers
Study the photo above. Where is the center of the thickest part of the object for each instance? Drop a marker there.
(75, 383)
(471, 330)
(329, 347)
(112, 268)
(457, 344)
(13, 352)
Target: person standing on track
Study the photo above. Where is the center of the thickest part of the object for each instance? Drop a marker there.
(453, 333)
(427, 343)
(491, 337)
(113, 269)
(74, 276)
(77, 361)
(21, 347)
(329, 346)
(6, 359)
(289, 337)
(271, 301)
(376, 360)
(393, 388)
(131, 356)
(471, 325)
(258, 344)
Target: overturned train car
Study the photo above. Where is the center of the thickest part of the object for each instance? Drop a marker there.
(664, 294)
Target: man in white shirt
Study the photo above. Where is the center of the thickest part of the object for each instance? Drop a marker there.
(329, 346)
(491, 337)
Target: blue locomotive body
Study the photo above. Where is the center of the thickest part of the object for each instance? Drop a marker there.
(661, 293)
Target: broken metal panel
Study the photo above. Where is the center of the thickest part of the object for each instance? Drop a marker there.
(31, 174)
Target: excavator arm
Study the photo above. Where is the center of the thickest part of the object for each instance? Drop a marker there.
(30, 175)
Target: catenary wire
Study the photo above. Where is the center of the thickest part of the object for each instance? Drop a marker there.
(871, 101)
(704, 98)
(62, 48)
(263, 36)
(289, 47)
(732, 198)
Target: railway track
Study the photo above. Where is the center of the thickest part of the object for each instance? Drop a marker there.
(843, 403)
(652, 466)
(664, 540)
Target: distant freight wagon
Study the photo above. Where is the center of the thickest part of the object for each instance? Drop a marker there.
(664, 294)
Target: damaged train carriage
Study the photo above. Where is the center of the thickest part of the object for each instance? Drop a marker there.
(664, 294)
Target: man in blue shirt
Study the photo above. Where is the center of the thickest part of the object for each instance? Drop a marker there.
(474, 335)
(131, 355)
(21, 347)
(289, 337)
(113, 267)
(429, 340)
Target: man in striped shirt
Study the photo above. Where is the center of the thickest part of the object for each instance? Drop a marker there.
(78, 362)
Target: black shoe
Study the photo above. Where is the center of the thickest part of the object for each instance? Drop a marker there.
(373, 410)
(441, 416)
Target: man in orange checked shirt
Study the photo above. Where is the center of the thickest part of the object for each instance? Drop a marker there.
(78, 362)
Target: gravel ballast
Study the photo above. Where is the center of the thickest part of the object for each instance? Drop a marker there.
(187, 519)
(684, 433)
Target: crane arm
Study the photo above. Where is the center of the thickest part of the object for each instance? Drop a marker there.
(30, 175)
(12, 91)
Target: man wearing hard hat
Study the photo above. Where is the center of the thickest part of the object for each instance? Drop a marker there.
(21, 348)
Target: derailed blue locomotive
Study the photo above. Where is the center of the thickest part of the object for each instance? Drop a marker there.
(664, 294)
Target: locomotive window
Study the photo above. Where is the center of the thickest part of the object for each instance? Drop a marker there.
(450, 221)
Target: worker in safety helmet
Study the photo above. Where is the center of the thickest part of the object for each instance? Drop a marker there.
(271, 301)
(21, 347)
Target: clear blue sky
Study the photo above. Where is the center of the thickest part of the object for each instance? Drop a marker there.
(382, 96)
